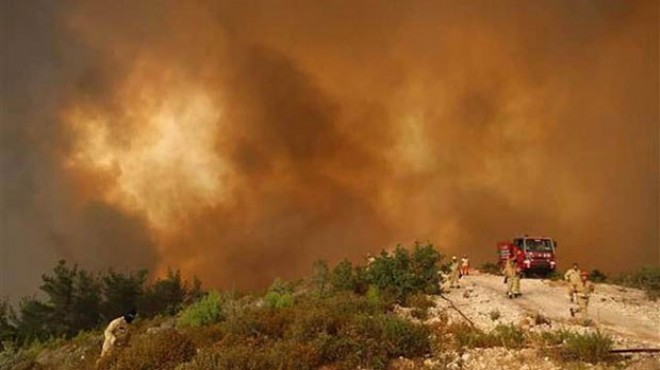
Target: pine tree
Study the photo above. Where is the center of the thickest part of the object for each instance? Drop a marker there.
(164, 296)
(121, 292)
(7, 329)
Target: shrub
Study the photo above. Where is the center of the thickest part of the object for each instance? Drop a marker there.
(344, 330)
(205, 311)
(466, 336)
(420, 304)
(597, 276)
(280, 295)
(590, 347)
(508, 336)
(321, 276)
(403, 275)
(159, 351)
(343, 277)
(490, 268)
(278, 300)
(425, 268)
(494, 315)
(373, 295)
(554, 338)
(540, 319)
(275, 355)
(404, 338)
(646, 278)
(204, 336)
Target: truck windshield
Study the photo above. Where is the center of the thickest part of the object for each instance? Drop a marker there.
(538, 245)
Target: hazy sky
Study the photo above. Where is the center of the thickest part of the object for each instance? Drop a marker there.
(242, 142)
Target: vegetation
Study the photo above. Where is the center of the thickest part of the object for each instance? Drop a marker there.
(77, 300)
(490, 268)
(160, 351)
(646, 279)
(509, 336)
(344, 317)
(344, 329)
(597, 276)
(494, 315)
(402, 274)
(207, 310)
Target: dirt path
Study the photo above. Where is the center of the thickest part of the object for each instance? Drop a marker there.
(622, 312)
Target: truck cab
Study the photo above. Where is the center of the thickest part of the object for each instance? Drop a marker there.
(534, 255)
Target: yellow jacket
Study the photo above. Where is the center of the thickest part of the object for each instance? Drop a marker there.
(584, 288)
(572, 276)
(116, 330)
(510, 269)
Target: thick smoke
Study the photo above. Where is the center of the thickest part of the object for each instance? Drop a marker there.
(242, 142)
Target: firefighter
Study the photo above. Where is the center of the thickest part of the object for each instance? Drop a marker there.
(573, 278)
(454, 273)
(584, 289)
(511, 273)
(117, 332)
(465, 266)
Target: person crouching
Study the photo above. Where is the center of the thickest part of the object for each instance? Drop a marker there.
(117, 333)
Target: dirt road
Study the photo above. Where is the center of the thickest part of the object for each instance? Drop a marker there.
(625, 313)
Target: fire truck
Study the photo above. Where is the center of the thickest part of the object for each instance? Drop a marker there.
(533, 255)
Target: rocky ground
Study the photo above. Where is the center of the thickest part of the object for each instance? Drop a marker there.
(625, 314)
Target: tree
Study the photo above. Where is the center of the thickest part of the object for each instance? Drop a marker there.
(343, 277)
(34, 321)
(425, 268)
(87, 301)
(164, 296)
(7, 329)
(60, 289)
(401, 274)
(72, 304)
(121, 292)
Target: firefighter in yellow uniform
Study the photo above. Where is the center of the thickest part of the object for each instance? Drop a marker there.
(117, 333)
(584, 289)
(454, 273)
(573, 278)
(512, 277)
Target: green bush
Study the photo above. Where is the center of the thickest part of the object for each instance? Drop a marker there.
(554, 338)
(343, 277)
(509, 336)
(403, 275)
(206, 311)
(278, 300)
(373, 295)
(404, 338)
(279, 295)
(590, 347)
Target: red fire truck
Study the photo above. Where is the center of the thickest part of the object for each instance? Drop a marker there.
(534, 255)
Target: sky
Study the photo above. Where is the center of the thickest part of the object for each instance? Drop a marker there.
(242, 142)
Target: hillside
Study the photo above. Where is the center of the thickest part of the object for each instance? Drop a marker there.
(395, 313)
